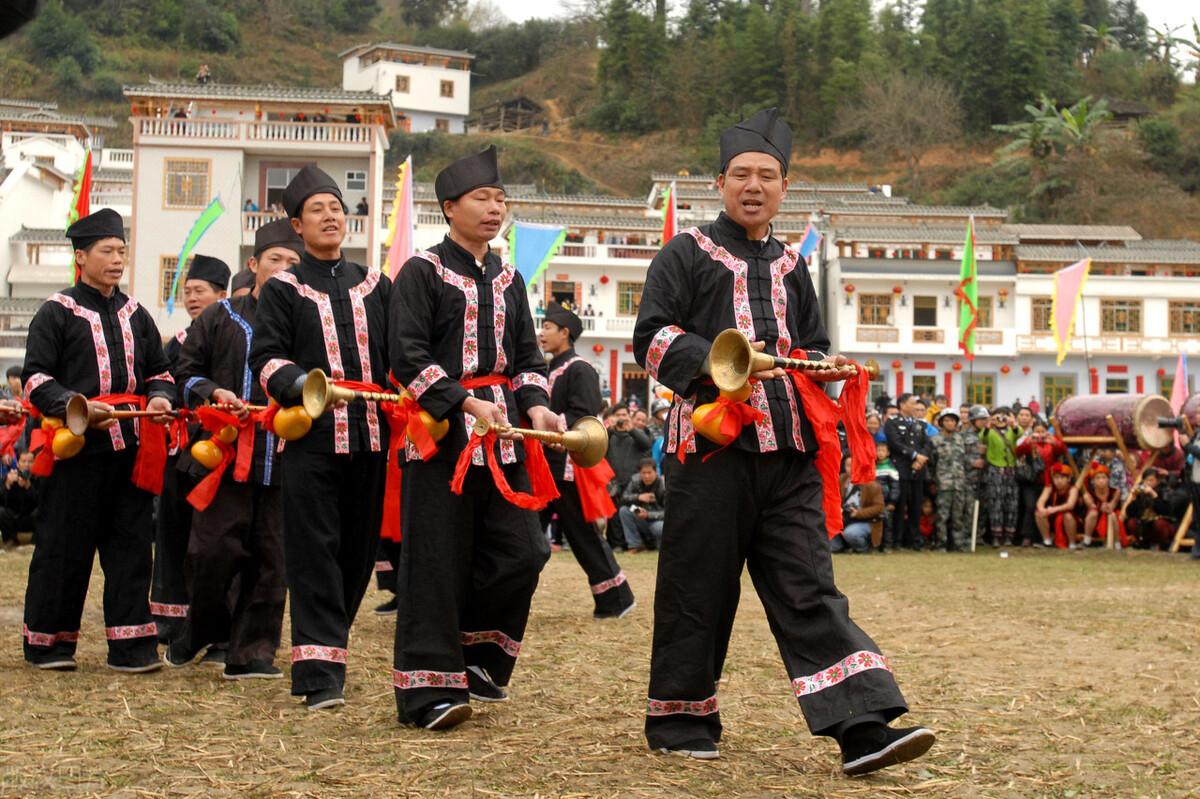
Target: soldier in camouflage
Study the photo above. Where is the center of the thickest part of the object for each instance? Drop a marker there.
(971, 432)
(953, 455)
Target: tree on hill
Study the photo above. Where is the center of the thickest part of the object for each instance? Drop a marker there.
(56, 35)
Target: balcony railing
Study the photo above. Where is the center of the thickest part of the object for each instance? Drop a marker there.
(253, 220)
(879, 335)
(320, 132)
(1112, 345)
(179, 128)
(114, 158)
(599, 325)
(256, 131)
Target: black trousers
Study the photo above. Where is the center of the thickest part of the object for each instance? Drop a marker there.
(1026, 509)
(469, 565)
(12, 523)
(609, 587)
(332, 508)
(238, 537)
(386, 560)
(168, 593)
(908, 512)
(763, 510)
(88, 505)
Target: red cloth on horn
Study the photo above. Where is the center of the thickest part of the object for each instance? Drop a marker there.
(592, 484)
(824, 414)
(736, 416)
(214, 420)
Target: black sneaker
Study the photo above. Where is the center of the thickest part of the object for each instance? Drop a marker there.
(445, 715)
(387, 608)
(870, 747)
(215, 656)
(179, 654)
(481, 686)
(320, 700)
(255, 669)
(697, 749)
(64, 663)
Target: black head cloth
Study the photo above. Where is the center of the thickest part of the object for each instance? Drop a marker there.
(764, 132)
(104, 224)
(277, 234)
(468, 174)
(562, 317)
(214, 270)
(308, 181)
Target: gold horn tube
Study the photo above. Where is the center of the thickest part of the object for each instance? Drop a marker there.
(320, 394)
(586, 441)
(731, 360)
(82, 414)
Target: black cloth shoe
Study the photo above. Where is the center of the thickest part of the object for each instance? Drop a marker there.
(179, 653)
(137, 668)
(255, 669)
(62, 663)
(872, 746)
(320, 700)
(620, 614)
(215, 656)
(445, 716)
(481, 686)
(696, 748)
(387, 608)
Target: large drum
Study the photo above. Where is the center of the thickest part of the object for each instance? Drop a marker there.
(1191, 407)
(1136, 416)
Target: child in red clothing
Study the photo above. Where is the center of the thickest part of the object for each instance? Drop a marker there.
(1055, 508)
(1103, 508)
(928, 519)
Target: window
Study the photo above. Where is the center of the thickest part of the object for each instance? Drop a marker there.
(402, 83)
(1120, 316)
(1056, 388)
(356, 180)
(278, 177)
(447, 88)
(925, 385)
(185, 182)
(629, 297)
(981, 390)
(985, 313)
(875, 309)
(166, 276)
(1116, 385)
(1040, 308)
(1185, 318)
(442, 124)
(1167, 382)
(925, 311)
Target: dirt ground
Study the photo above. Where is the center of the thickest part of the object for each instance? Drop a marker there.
(1044, 674)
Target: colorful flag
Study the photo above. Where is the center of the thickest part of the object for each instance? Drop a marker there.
(1179, 386)
(1068, 291)
(203, 222)
(402, 222)
(968, 295)
(670, 216)
(81, 202)
(808, 244)
(532, 246)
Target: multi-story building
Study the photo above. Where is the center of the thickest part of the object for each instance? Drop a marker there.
(243, 145)
(430, 89)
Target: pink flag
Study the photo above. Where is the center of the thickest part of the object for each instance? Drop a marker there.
(1068, 291)
(400, 224)
(1179, 387)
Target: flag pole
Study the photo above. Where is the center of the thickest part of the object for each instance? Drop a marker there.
(1087, 353)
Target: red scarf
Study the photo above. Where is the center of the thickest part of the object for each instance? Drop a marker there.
(825, 413)
(214, 420)
(736, 415)
(592, 483)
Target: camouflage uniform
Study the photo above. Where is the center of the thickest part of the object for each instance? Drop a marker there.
(953, 455)
(974, 482)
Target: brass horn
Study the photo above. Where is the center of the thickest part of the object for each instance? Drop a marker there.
(320, 394)
(732, 360)
(82, 414)
(586, 441)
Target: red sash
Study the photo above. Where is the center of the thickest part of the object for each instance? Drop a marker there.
(592, 484)
(736, 416)
(540, 478)
(242, 456)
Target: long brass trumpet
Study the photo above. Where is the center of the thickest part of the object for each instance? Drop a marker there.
(732, 360)
(586, 441)
(320, 394)
(81, 415)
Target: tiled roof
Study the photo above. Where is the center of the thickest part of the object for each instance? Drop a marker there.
(615, 221)
(911, 210)
(40, 235)
(1110, 255)
(1070, 232)
(51, 117)
(922, 233)
(16, 103)
(411, 48)
(228, 91)
(916, 268)
(579, 199)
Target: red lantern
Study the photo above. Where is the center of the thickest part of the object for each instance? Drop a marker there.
(1162, 372)
(849, 289)
(1005, 369)
(895, 364)
(597, 348)
(897, 290)
(1024, 370)
(604, 280)
(957, 366)
(1003, 293)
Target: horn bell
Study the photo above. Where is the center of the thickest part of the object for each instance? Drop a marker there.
(587, 441)
(319, 393)
(729, 360)
(77, 419)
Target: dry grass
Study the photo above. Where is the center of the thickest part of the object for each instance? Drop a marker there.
(1045, 675)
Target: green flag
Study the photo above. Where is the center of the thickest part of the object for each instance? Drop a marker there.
(968, 295)
(199, 228)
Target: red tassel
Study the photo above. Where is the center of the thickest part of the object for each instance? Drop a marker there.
(43, 460)
(592, 483)
(862, 447)
(822, 412)
(245, 452)
(540, 478)
(205, 491)
(151, 460)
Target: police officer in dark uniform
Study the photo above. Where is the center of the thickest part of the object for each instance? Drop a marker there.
(908, 444)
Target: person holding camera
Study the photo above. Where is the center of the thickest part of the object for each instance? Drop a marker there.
(1001, 439)
(641, 512)
(20, 500)
(862, 510)
(627, 446)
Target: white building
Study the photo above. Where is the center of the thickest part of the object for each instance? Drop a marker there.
(430, 89)
(243, 144)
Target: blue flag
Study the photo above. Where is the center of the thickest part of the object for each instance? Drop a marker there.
(810, 241)
(532, 246)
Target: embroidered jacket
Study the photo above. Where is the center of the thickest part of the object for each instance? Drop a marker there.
(81, 342)
(574, 393)
(330, 316)
(174, 345)
(706, 280)
(216, 354)
(451, 320)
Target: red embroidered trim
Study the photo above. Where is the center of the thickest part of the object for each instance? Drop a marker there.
(511, 648)
(669, 707)
(608, 585)
(362, 339)
(103, 362)
(470, 346)
(508, 449)
(500, 314)
(331, 654)
(48, 639)
(405, 680)
(845, 668)
(780, 269)
(170, 611)
(132, 631)
(383, 566)
(39, 379)
(428, 376)
(558, 372)
(270, 368)
(531, 379)
(658, 348)
(164, 376)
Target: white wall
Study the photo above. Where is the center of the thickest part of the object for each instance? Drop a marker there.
(424, 92)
